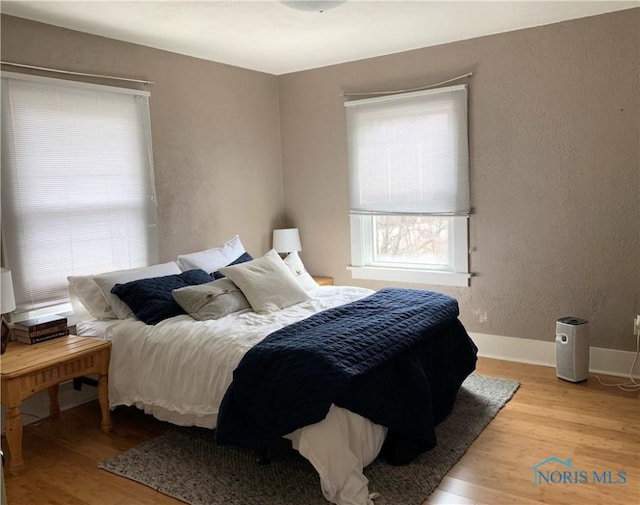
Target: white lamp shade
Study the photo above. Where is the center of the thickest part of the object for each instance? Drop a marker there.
(286, 240)
(7, 299)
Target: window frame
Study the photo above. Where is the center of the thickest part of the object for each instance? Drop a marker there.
(363, 266)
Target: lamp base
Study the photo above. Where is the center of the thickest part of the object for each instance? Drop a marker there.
(6, 333)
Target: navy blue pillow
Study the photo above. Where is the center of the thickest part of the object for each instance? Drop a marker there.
(240, 259)
(151, 300)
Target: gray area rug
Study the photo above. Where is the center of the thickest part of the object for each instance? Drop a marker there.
(185, 463)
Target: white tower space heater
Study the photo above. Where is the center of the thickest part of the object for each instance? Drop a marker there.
(572, 349)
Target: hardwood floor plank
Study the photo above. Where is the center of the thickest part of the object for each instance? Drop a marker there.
(440, 497)
(33, 490)
(482, 494)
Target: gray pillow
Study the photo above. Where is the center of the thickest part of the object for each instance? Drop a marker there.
(267, 283)
(211, 300)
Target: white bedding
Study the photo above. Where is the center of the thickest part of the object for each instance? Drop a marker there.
(92, 328)
(179, 370)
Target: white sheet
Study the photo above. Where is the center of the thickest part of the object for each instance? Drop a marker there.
(92, 328)
(179, 370)
(339, 448)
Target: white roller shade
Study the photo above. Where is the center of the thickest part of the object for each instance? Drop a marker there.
(408, 153)
(77, 184)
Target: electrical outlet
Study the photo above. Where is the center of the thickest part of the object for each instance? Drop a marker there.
(636, 325)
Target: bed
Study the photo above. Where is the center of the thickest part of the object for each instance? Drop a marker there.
(181, 370)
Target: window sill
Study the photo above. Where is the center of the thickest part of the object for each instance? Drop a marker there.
(411, 275)
(62, 310)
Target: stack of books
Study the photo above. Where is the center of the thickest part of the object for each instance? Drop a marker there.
(40, 329)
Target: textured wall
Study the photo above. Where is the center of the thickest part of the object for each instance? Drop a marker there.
(216, 136)
(555, 171)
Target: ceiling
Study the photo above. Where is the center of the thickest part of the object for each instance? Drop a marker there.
(271, 37)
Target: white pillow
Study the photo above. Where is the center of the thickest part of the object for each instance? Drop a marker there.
(85, 290)
(294, 263)
(267, 283)
(211, 260)
(107, 280)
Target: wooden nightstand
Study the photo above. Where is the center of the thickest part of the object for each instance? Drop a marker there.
(323, 281)
(28, 369)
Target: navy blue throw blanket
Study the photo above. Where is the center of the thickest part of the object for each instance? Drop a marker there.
(397, 357)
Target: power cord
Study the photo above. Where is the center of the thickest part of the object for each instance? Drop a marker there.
(632, 386)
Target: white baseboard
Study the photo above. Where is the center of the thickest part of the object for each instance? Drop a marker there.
(537, 352)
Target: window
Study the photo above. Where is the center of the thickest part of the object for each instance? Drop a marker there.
(409, 187)
(77, 184)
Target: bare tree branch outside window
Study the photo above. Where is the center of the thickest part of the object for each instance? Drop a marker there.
(411, 239)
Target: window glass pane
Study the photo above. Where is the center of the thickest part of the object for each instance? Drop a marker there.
(420, 240)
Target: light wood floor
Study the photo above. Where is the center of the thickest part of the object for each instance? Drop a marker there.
(597, 427)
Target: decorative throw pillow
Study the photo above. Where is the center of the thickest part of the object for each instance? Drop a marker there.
(242, 259)
(267, 283)
(211, 260)
(152, 299)
(107, 280)
(212, 300)
(294, 263)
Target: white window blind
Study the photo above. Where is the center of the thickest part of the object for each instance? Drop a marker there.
(408, 153)
(77, 184)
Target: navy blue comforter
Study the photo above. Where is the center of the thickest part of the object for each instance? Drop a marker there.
(397, 357)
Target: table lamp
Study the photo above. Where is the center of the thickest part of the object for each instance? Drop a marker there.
(7, 304)
(286, 240)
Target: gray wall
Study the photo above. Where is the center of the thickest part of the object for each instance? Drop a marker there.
(555, 171)
(216, 133)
